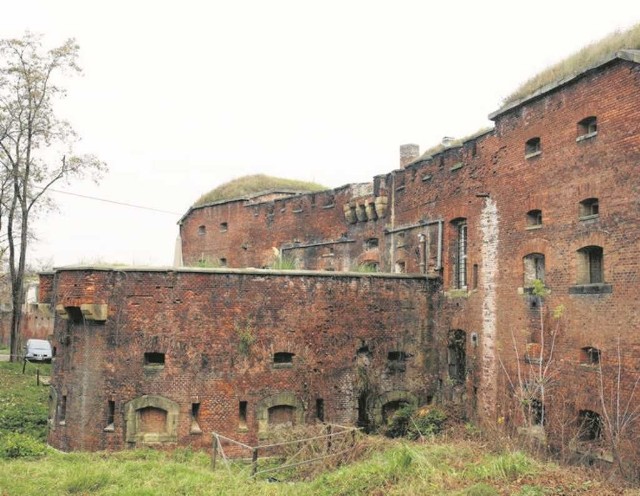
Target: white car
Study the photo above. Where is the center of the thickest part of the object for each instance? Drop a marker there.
(38, 350)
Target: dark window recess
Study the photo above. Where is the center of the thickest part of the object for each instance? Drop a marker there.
(282, 357)
(475, 276)
(242, 414)
(590, 355)
(400, 267)
(154, 359)
(202, 230)
(397, 356)
(75, 314)
(320, 409)
(590, 265)
(457, 356)
(587, 126)
(590, 425)
(223, 262)
(224, 227)
(195, 418)
(111, 412)
(589, 208)
(371, 243)
(536, 412)
(63, 409)
(534, 218)
(532, 147)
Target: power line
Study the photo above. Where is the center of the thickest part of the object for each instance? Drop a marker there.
(114, 202)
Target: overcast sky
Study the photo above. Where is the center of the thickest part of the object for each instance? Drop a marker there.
(180, 97)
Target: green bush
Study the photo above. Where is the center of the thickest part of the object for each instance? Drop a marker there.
(17, 445)
(412, 422)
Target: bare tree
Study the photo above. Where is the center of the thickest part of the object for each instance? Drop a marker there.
(529, 384)
(36, 147)
(620, 412)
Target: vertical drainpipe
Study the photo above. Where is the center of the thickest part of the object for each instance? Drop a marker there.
(422, 252)
(439, 254)
(393, 222)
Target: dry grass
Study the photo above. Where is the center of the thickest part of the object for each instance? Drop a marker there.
(587, 56)
(250, 185)
(434, 150)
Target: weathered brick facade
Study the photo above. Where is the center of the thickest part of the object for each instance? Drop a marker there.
(551, 193)
(214, 338)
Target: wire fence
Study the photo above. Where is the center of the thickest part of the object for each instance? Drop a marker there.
(289, 449)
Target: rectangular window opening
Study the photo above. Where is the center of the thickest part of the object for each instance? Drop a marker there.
(111, 413)
(320, 409)
(153, 359)
(242, 414)
(63, 409)
(224, 227)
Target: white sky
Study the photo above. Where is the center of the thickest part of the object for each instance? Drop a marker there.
(179, 97)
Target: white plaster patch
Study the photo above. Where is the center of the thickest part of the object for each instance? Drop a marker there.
(490, 231)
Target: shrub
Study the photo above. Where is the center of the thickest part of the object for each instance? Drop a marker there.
(413, 423)
(17, 445)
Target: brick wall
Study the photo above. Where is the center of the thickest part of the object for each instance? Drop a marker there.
(217, 333)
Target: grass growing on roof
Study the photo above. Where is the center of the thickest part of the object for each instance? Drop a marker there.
(582, 59)
(248, 185)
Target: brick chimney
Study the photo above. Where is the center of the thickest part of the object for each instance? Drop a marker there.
(408, 153)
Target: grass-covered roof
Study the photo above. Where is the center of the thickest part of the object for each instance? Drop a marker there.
(247, 186)
(579, 61)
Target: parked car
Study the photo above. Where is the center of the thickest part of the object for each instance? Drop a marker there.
(38, 350)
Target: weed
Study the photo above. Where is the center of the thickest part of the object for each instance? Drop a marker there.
(17, 445)
(481, 489)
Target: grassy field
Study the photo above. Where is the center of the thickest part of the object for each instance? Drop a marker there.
(383, 467)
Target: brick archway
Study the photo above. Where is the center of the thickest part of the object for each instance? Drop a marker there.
(151, 419)
(281, 399)
(390, 398)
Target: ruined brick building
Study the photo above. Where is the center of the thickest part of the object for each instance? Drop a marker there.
(456, 236)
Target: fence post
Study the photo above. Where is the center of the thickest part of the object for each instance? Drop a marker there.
(38, 376)
(329, 438)
(214, 455)
(254, 462)
(24, 364)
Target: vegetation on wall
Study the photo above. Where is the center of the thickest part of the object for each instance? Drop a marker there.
(250, 185)
(582, 59)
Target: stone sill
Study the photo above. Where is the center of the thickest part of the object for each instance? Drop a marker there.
(533, 154)
(457, 293)
(586, 136)
(329, 206)
(243, 429)
(400, 188)
(297, 211)
(591, 289)
(457, 166)
(282, 365)
(589, 217)
(426, 178)
(534, 227)
(62, 422)
(528, 290)
(109, 428)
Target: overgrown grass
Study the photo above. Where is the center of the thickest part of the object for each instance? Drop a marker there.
(248, 185)
(383, 466)
(23, 404)
(580, 60)
(283, 263)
